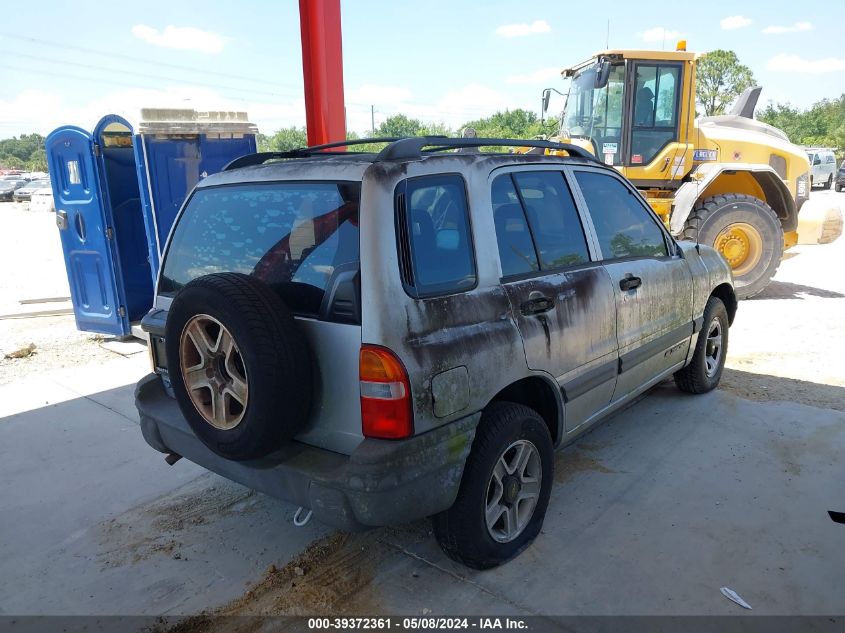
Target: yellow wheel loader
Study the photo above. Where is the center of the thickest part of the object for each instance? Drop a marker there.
(728, 181)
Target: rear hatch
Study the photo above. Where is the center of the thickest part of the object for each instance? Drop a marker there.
(302, 239)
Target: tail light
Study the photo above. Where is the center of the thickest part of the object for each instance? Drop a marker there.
(385, 395)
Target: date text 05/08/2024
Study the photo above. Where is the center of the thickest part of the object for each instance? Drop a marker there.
(417, 623)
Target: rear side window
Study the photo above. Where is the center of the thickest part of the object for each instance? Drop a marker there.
(435, 246)
(553, 218)
(296, 237)
(624, 227)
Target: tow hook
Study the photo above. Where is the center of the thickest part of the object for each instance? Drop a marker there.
(299, 520)
(172, 458)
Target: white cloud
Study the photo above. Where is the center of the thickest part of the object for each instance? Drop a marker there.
(185, 38)
(795, 64)
(734, 22)
(41, 111)
(540, 75)
(456, 107)
(378, 95)
(798, 26)
(660, 34)
(523, 29)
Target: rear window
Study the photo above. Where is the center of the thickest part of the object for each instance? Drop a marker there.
(296, 237)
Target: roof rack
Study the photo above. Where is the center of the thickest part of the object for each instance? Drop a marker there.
(405, 148)
(415, 147)
(260, 158)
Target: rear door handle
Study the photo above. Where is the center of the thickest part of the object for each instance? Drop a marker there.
(536, 305)
(630, 283)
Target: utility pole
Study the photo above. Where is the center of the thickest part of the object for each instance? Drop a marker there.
(372, 120)
(322, 66)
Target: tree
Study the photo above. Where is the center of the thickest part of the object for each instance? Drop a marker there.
(516, 123)
(721, 79)
(400, 125)
(823, 124)
(283, 140)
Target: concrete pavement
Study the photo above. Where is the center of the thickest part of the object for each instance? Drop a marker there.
(95, 522)
(651, 514)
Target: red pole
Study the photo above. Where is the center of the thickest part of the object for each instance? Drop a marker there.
(322, 68)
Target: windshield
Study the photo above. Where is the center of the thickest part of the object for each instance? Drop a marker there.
(596, 113)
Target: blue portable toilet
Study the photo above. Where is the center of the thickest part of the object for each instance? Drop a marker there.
(117, 192)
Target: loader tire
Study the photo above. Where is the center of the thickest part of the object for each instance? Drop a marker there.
(746, 232)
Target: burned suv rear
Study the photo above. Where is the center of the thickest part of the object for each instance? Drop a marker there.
(260, 370)
(385, 337)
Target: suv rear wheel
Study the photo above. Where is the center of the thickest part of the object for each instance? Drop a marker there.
(504, 490)
(239, 365)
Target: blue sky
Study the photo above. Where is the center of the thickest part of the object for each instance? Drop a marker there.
(438, 60)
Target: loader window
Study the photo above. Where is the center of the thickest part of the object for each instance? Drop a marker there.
(596, 113)
(655, 116)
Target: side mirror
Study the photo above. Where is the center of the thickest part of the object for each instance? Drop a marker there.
(603, 74)
(547, 94)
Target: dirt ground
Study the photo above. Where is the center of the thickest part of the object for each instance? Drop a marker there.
(34, 270)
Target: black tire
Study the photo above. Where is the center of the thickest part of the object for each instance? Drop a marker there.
(695, 377)
(462, 529)
(838, 187)
(828, 182)
(711, 216)
(277, 363)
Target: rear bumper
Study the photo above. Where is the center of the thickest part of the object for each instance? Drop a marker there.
(382, 482)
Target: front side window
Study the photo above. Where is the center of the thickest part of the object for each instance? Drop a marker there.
(553, 218)
(624, 227)
(655, 117)
(436, 255)
(292, 236)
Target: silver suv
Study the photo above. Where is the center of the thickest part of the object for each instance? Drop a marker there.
(822, 167)
(381, 337)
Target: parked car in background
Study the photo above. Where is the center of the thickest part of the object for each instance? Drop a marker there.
(42, 200)
(36, 175)
(25, 193)
(822, 166)
(18, 181)
(413, 333)
(840, 177)
(7, 190)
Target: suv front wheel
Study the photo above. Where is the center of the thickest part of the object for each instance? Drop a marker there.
(504, 490)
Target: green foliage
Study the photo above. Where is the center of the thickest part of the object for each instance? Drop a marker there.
(283, 140)
(720, 80)
(23, 152)
(823, 124)
(517, 123)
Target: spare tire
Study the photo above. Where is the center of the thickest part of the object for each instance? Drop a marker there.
(240, 368)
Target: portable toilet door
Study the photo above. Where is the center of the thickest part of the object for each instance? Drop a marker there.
(85, 226)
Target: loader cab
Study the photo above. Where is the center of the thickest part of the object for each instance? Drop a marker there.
(636, 110)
